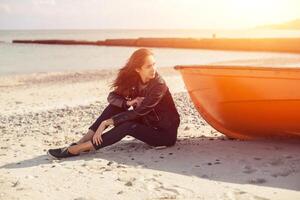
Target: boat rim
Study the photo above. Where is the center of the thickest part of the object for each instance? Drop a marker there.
(236, 67)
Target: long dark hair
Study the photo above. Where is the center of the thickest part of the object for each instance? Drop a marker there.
(127, 76)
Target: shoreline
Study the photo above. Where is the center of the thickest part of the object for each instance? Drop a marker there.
(83, 75)
(40, 91)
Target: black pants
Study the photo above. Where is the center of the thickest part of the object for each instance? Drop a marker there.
(150, 135)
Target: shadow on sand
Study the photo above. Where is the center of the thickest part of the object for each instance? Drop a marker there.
(233, 161)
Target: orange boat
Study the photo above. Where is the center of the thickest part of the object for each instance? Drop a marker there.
(246, 102)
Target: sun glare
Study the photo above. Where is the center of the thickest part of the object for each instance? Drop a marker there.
(258, 12)
(236, 14)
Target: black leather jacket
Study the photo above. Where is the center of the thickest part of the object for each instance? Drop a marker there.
(157, 109)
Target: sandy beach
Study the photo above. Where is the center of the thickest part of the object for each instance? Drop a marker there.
(47, 110)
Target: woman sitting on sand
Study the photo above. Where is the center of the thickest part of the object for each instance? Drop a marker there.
(154, 118)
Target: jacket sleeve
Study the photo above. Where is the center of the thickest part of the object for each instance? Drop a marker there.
(117, 100)
(152, 98)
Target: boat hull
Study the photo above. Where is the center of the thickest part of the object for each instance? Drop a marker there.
(246, 102)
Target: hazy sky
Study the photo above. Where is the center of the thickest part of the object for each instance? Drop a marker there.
(144, 14)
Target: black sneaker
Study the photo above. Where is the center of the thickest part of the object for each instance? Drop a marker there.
(60, 153)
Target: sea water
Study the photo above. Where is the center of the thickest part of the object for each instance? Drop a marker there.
(34, 58)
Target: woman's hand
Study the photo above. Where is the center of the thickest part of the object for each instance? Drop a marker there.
(97, 138)
(135, 102)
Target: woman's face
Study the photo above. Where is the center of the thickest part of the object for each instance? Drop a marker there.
(148, 70)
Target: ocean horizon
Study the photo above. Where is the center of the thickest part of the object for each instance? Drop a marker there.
(35, 58)
(102, 34)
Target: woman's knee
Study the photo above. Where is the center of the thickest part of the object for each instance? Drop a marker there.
(107, 113)
(111, 110)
